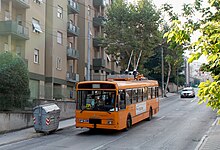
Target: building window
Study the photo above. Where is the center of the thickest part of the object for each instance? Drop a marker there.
(6, 47)
(59, 37)
(58, 63)
(36, 26)
(70, 44)
(18, 50)
(36, 56)
(59, 12)
(89, 10)
(38, 1)
(7, 15)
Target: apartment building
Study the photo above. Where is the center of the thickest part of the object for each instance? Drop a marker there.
(22, 31)
(44, 33)
(60, 40)
(61, 48)
(94, 63)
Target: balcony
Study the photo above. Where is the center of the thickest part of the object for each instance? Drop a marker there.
(24, 4)
(72, 30)
(73, 7)
(72, 77)
(97, 3)
(99, 42)
(12, 27)
(99, 63)
(72, 53)
(99, 21)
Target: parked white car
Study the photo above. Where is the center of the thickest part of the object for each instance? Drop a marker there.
(187, 92)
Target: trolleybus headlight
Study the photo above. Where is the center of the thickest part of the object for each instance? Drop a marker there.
(110, 122)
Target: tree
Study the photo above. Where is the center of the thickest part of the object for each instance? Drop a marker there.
(14, 87)
(207, 44)
(130, 27)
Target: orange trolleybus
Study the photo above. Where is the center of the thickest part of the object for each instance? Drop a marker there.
(117, 103)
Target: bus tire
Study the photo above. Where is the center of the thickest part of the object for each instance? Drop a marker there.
(150, 115)
(128, 123)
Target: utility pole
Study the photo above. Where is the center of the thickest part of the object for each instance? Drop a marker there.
(162, 68)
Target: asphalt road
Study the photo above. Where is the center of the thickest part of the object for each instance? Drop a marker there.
(179, 125)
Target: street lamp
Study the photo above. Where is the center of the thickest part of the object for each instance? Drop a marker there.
(162, 69)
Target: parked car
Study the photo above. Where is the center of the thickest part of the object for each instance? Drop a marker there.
(187, 92)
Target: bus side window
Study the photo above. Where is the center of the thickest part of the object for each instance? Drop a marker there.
(156, 91)
(153, 92)
(140, 95)
(149, 93)
(128, 97)
(134, 96)
(145, 93)
(122, 99)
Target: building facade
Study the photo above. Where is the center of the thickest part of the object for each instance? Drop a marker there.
(61, 42)
(94, 63)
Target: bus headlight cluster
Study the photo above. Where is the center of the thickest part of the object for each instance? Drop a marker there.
(110, 122)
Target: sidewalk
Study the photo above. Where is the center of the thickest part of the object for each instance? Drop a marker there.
(211, 141)
(169, 95)
(28, 133)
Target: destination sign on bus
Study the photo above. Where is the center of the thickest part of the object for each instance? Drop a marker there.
(96, 86)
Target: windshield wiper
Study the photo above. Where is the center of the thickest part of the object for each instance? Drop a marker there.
(82, 110)
(108, 112)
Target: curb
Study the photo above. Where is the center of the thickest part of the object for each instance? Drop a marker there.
(204, 139)
(22, 139)
(35, 135)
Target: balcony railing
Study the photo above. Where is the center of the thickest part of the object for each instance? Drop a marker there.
(99, 21)
(73, 7)
(22, 3)
(13, 28)
(97, 3)
(72, 77)
(72, 29)
(99, 42)
(72, 53)
(99, 62)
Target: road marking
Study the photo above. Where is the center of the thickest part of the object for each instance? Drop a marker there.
(193, 100)
(201, 142)
(161, 118)
(204, 138)
(99, 147)
(215, 122)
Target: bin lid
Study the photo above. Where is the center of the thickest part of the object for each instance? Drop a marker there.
(49, 107)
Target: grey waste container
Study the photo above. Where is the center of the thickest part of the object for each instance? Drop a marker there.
(46, 118)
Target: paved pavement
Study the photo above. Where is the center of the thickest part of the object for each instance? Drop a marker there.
(28, 133)
(210, 141)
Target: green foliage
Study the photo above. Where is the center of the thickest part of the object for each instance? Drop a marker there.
(14, 87)
(130, 28)
(208, 44)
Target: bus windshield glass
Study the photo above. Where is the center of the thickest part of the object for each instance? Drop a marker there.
(96, 100)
